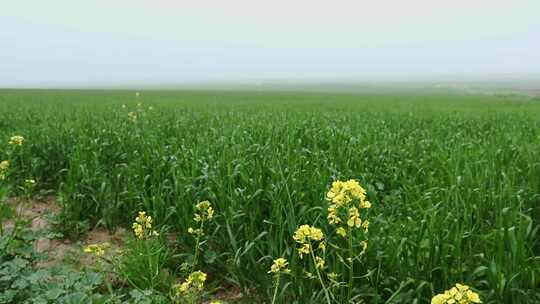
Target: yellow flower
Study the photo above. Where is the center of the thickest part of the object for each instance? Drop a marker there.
(132, 116)
(365, 225)
(142, 227)
(319, 262)
(341, 193)
(333, 217)
(473, 297)
(30, 182)
(346, 200)
(306, 232)
(16, 140)
(364, 245)
(204, 211)
(341, 231)
(138, 230)
(439, 299)
(354, 218)
(280, 265)
(365, 204)
(304, 249)
(97, 249)
(195, 281)
(4, 165)
(459, 294)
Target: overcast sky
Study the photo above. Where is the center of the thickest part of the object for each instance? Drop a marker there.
(138, 42)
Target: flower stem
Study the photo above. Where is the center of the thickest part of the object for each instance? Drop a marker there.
(326, 294)
(197, 246)
(351, 278)
(276, 288)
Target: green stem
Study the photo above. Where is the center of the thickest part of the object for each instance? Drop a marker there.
(276, 288)
(326, 294)
(149, 260)
(197, 246)
(351, 278)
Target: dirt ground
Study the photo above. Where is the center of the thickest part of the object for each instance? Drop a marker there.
(38, 212)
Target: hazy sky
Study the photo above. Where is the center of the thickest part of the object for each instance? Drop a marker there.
(115, 42)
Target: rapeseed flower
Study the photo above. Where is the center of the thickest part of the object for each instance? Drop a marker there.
(132, 116)
(319, 262)
(16, 140)
(97, 249)
(4, 166)
(364, 245)
(307, 234)
(194, 282)
(304, 249)
(341, 231)
(354, 218)
(142, 227)
(344, 192)
(280, 265)
(347, 199)
(204, 211)
(460, 294)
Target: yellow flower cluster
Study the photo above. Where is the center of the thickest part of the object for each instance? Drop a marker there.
(132, 116)
(194, 282)
(4, 166)
(280, 265)
(307, 234)
(142, 227)
(16, 140)
(204, 211)
(460, 294)
(29, 182)
(97, 249)
(346, 200)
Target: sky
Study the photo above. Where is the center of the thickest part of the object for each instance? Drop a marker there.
(70, 43)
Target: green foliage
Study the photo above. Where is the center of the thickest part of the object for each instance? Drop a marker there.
(454, 179)
(21, 282)
(142, 265)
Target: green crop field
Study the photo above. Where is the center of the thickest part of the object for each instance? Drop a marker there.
(453, 181)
